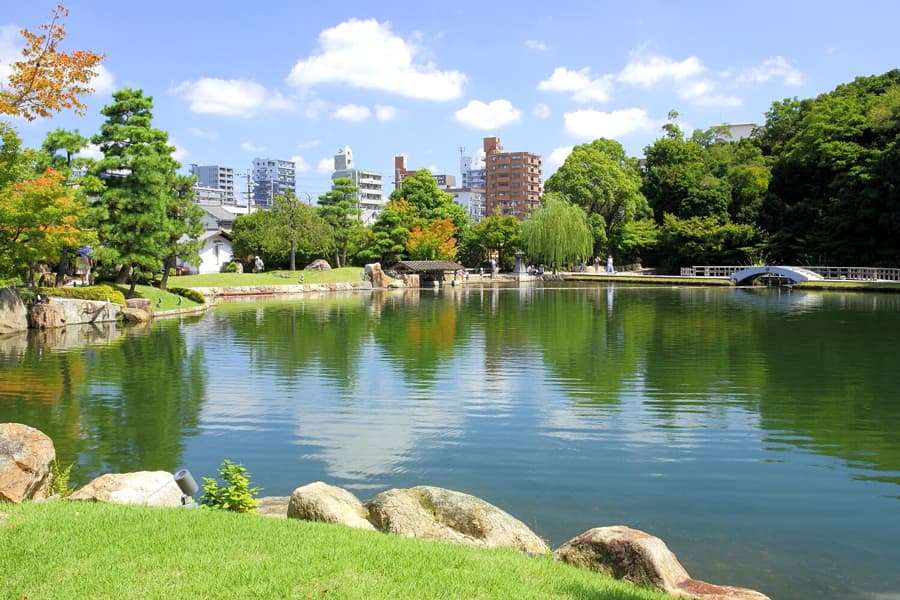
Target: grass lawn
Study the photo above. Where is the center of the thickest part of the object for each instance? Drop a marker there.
(169, 301)
(341, 275)
(71, 549)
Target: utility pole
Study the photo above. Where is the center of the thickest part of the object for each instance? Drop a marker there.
(249, 177)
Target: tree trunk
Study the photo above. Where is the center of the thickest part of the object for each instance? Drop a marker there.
(293, 256)
(63, 269)
(169, 263)
(124, 273)
(134, 278)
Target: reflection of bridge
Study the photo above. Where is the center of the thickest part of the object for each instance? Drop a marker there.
(744, 274)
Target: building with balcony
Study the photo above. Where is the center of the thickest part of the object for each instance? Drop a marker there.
(215, 185)
(272, 177)
(513, 184)
(370, 197)
(401, 172)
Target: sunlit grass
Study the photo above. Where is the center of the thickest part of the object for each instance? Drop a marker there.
(160, 300)
(83, 550)
(344, 274)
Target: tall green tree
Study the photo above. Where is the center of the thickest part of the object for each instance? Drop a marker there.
(602, 180)
(390, 233)
(67, 142)
(496, 234)
(299, 227)
(142, 210)
(339, 206)
(557, 232)
(184, 224)
(430, 202)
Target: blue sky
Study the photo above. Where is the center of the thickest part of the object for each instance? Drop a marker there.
(298, 80)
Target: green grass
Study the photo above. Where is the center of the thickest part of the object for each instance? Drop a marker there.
(650, 279)
(860, 286)
(169, 300)
(341, 275)
(83, 550)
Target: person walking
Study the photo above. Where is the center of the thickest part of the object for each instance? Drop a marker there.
(609, 264)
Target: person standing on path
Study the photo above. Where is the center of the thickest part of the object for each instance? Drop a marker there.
(609, 264)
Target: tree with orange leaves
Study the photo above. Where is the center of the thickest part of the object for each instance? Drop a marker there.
(435, 242)
(48, 80)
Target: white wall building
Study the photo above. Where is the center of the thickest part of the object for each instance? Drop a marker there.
(470, 199)
(370, 197)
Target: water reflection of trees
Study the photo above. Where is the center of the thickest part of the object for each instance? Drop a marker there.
(119, 407)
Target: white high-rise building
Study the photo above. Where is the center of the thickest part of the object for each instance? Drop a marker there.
(370, 197)
(272, 177)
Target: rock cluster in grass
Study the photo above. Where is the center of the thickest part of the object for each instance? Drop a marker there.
(422, 512)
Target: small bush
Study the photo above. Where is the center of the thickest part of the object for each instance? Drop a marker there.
(232, 267)
(91, 292)
(190, 294)
(236, 495)
(59, 480)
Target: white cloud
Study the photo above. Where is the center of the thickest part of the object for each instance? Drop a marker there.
(385, 113)
(314, 108)
(300, 164)
(647, 69)
(580, 83)
(252, 148)
(558, 156)
(541, 111)
(229, 97)
(703, 92)
(308, 144)
(352, 112)
(536, 45)
(775, 67)
(491, 115)
(10, 50)
(591, 124)
(90, 151)
(104, 82)
(367, 54)
(325, 165)
(207, 135)
(180, 153)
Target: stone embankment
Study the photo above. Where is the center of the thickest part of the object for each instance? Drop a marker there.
(427, 512)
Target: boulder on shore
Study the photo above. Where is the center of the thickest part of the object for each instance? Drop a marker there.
(642, 559)
(375, 275)
(322, 502)
(320, 264)
(151, 488)
(13, 314)
(26, 456)
(436, 513)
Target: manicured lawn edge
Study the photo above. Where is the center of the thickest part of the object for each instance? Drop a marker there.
(68, 549)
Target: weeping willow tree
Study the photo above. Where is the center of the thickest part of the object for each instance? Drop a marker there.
(557, 232)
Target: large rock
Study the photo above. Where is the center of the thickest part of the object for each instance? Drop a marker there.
(435, 513)
(375, 274)
(26, 456)
(643, 559)
(136, 315)
(13, 314)
(151, 488)
(59, 312)
(320, 264)
(322, 502)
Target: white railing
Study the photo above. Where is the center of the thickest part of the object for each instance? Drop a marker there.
(846, 273)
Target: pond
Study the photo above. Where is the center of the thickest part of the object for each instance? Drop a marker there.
(756, 431)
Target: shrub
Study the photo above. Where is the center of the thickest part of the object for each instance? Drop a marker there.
(232, 267)
(91, 292)
(59, 480)
(189, 294)
(236, 495)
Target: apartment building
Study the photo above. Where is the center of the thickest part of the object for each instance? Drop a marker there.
(272, 177)
(401, 172)
(215, 185)
(513, 182)
(370, 197)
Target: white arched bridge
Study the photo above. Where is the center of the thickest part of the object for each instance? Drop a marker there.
(795, 274)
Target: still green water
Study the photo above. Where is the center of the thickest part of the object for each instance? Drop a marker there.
(756, 431)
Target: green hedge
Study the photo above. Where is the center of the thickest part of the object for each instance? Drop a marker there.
(189, 294)
(91, 292)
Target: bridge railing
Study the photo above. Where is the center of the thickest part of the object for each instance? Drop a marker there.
(849, 273)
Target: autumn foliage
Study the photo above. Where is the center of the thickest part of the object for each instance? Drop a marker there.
(47, 80)
(436, 242)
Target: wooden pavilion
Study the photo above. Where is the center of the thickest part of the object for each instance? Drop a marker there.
(427, 271)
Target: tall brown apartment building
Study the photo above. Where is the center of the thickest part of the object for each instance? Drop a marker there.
(512, 180)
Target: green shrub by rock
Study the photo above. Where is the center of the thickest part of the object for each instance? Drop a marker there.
(188, 293)
(91, 292)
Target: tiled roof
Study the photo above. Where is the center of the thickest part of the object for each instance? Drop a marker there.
(419, 266)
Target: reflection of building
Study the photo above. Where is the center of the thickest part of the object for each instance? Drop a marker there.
(370, 183)
(401, 172)
(215, 184)
(512, 180)
(272, 177)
